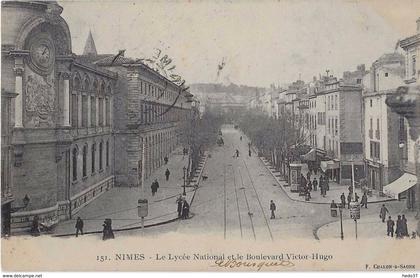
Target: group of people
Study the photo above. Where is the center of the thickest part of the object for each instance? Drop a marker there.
(401, 230)
(363, 202)
(307, 186)
(183, 207)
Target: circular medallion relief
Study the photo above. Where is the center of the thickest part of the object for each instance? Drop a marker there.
(42, 54)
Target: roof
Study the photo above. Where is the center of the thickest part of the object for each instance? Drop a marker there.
(109, 60)
(90, 48)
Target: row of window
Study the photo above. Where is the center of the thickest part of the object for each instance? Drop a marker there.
(332, 102)
(156, 113)
(377, 131)
(85, 153)
(321, 118)
(90, 106)
(333, 126)
(375, 151)
(155, 92)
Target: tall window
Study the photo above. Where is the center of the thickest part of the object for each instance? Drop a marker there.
(107, 154)
(74, 159)
(93, 110)
(74, 110)
(108, 114)
(336, 126)
(100, 155)
(101, 111)
(85, 160)
(84, 111)
(93, 150)
(413, 66)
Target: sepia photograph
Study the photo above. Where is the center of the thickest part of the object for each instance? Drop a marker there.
(210, 135)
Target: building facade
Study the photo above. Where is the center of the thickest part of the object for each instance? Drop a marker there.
(383, 130)
(58, 118)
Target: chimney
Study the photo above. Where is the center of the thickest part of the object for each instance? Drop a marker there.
(418, 25)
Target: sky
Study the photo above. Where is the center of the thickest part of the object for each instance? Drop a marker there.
(261, 42)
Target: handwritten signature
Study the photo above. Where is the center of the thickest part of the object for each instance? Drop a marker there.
(252, 264)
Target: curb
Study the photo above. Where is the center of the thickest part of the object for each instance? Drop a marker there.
(307, 202)
(149, 225)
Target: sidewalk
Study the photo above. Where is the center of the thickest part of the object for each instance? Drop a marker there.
(316, 198)
(369, 226)
(120, 203)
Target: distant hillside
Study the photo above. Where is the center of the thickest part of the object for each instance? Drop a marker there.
(206, 88)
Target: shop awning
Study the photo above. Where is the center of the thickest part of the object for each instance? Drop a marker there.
(329, 164)
(305, 169)
(403, 183)
(309, 156)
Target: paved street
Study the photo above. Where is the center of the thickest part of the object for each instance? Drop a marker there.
(234, 201)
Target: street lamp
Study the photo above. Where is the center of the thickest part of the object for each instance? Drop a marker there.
(341, 222)
(185, 170)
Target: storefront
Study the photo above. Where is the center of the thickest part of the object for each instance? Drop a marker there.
(332, 169)
(403, 188)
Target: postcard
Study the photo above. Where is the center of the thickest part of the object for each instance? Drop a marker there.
(221, 136)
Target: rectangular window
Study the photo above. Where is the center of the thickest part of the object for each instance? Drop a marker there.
(101, 111)
(413, 66)
(108, 112)
(84, 111)
(336, 126)
(93, 110)
(74, 110)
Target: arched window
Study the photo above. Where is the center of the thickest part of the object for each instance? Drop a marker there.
(74, 159)
(74, 101)
(93, 150)
(100, 155)
(107, 153)
(85, 160)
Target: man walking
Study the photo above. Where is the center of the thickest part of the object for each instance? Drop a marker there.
(179, 202)
(348, 200)
(237, 153)
(315, 184)
(79, 226)
(343, 200)
(154, 187)
(166, 160)
(390, 226)
(383, 212)
(272, 208)
(167, 173)
(364, 200)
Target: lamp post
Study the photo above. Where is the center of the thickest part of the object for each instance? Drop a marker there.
(185, 170)
(341, 222)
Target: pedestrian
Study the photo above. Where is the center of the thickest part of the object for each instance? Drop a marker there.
(166, 160)
(364, 200)
(398, 230)
(404, 228)
(390, 226)
(333, 208)
(237, 153)
(383, 212)
(167, 173)
(309, 185)
(249, 152)
(79, 226)
(185, 210)
(35, 226)
(107, 232)
(308, 175)
(179, 202)
(343, 200)
(356, 197)
(273, 209)
(240, 138)
(327, 184)
(348, 200)
(315, 184)
(154, 187)
(350, 189)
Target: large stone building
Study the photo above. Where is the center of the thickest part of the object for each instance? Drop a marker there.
(384, 131)
(72, 126)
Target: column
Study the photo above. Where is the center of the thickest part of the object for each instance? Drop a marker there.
(18, 99)
(66, 99)
(111, 109)
(97, 110)
(89, 118)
